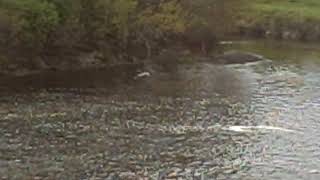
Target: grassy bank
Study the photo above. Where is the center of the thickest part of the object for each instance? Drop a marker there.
(293, 9)
(286, 19)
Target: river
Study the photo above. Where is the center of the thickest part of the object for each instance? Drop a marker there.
(201, 121)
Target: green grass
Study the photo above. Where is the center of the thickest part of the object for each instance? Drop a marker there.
(293, 10)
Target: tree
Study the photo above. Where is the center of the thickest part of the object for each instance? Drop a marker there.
(160, 21)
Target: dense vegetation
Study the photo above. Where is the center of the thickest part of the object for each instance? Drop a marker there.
(45, 25)
(128, 30)
(120, 29)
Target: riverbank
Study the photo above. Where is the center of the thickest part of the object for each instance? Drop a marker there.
(280, 20)
(289, 20)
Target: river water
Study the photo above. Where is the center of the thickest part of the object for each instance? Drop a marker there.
(201, 121)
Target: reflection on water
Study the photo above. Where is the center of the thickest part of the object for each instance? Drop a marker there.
(197, 80)
(180, 124)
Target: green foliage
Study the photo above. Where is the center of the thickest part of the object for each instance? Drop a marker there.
(218, 16)
(38, 20)
(108, 25)
(122, 11)
(167, 17)
(157, 22)
(161, 20)
(39, 17)
(293, 9)
(286, 19)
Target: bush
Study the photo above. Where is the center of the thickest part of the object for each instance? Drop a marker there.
(38, 21)
(106, 25)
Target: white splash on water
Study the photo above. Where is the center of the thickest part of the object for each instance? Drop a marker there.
(183, 129)
(226, 42)
(251, 128)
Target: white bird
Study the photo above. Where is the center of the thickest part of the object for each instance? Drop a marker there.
(142, 75)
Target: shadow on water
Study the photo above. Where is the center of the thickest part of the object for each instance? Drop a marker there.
(186, 80)
(94, 78)
(196, 80)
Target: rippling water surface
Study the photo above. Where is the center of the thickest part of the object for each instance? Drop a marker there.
(172, 125)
